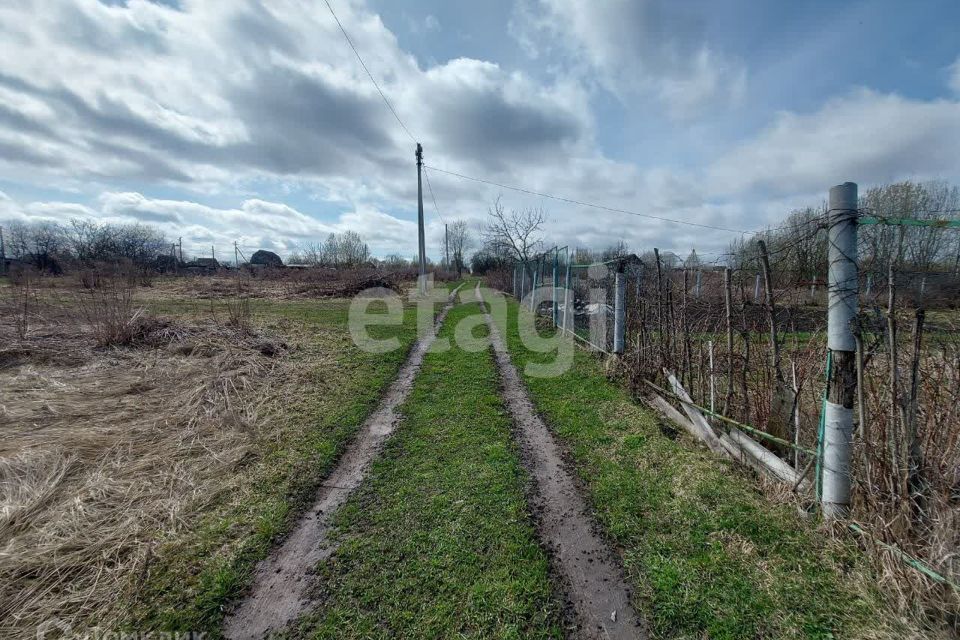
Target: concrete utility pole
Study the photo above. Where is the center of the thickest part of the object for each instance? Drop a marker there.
(446, 245)
(213, 252)
(180, 246)
(422, 280)
(842, 385)
(3, 253)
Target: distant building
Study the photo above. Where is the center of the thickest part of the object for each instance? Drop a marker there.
(266, 258)
(204, 264)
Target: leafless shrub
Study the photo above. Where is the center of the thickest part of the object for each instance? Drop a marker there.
(238, 313)
(109, 309)
(674, 328)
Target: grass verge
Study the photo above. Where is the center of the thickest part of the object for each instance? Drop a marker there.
(194, 574)
(437, 542)
(707, 554)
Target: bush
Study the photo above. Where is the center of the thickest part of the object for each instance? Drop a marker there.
(107, 306)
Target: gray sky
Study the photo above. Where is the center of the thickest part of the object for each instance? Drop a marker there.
(223, 120)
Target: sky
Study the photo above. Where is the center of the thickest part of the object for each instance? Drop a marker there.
(225, 121)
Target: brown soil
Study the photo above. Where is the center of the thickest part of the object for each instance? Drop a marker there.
(280, 587)
(589, 571)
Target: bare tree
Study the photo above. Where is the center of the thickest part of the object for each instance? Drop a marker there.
(345, 250)
(459, 242)
(617, 250)
(516, 234)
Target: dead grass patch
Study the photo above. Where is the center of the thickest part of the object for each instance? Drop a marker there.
(105, 450)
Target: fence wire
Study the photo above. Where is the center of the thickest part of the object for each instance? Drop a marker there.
(757, 357)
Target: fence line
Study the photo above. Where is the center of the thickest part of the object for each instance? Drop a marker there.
(848, 362)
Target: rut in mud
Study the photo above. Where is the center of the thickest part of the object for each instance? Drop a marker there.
(591, 575)
(279, 591)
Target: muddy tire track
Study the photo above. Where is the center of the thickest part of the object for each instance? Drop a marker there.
(279, 592)
(590, 572)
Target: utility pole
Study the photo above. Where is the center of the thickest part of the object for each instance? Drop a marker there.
(3, 253)
(422, 280)
(236, 255)
(213, 252)
(842, 382)
(446, 245)
(180, 244)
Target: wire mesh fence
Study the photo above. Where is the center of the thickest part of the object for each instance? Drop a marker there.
(577, 297)
(746, 338)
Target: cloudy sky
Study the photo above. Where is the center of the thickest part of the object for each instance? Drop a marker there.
(224, 120)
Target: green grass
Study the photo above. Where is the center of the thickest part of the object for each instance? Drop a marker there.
(437, 542)
(707, 555)
(195, 573)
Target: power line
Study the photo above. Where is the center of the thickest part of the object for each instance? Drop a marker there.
(427, 176)
(594, 205)
(370, 75)
(512, 188)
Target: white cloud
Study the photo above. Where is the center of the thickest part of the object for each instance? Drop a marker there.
(634, 47)
(237, 98)
(255, 224)
(865, 136)
(954, 80)
(429, 24)
(226, 91)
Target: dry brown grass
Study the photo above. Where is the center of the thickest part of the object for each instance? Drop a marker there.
(105, 451)
(282, 284)
(882, 500)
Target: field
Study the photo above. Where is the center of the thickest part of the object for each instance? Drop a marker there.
(161, 440)
(163, 470)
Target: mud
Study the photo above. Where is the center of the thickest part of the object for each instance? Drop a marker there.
(589, 571)
(279, 593)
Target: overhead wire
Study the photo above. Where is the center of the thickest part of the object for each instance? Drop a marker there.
(385, 100)
(590, 204)
(426, 174)
(370, 75)
(533, 192)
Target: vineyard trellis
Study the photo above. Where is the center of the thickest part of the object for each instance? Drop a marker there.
(741, 343)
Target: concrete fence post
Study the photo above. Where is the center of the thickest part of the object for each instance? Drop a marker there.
(842, 309)
(619, 310)
(597, 307)
(533, 291)
(556, 282)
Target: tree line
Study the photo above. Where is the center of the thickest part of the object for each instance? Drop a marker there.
(800, 245)
(54, 247)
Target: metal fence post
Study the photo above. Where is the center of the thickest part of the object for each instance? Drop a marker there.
(842, 382)
(619, 309)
